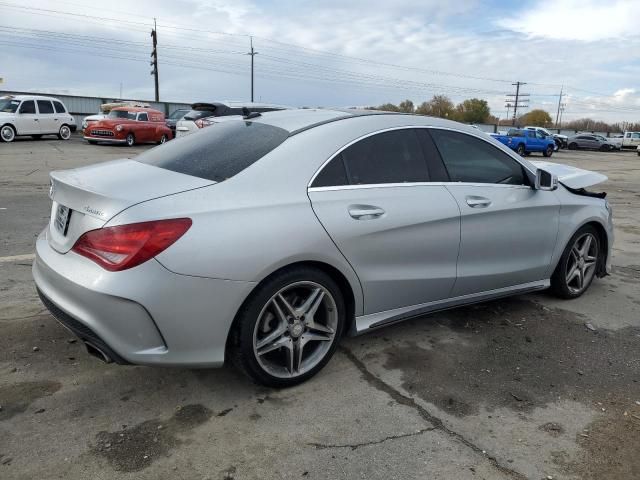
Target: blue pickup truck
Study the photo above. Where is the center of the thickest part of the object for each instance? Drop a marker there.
(526, 141)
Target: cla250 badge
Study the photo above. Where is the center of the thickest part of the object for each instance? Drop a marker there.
(93, 211)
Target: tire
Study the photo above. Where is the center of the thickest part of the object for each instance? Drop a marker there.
(64, 133)
(163, 139)
(557, 145)
(521, 150)
(7, 133)
(565, 283)
(549, 151)
(573, 146)
(36, 137)
(131, 140)
(265, 324)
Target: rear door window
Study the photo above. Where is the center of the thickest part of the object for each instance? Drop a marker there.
(45, 107)
(217, 153)
(388, 157)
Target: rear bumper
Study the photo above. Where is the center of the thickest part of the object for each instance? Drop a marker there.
(146, 315)
(105, 139)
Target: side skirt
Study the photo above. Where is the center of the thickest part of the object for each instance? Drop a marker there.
(366, 323)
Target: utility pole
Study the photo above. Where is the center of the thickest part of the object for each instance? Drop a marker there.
(559, 103)
(154, 59)
(518, 98)
(253, 53)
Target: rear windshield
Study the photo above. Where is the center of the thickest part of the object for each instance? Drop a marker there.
(216, 153)
(196, 114)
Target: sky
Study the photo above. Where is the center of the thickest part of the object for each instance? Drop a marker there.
(332, 53)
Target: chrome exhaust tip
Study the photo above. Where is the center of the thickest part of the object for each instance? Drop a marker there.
(97, 352)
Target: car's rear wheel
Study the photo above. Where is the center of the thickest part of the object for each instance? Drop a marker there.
(7, 133)
(573, 146)
(578, 264)
(64, 133)
(521, 150)
(131, 140)
(290, 327)
(549, 151)
(163, 139)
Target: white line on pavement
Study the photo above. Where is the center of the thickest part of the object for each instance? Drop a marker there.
(17, 258)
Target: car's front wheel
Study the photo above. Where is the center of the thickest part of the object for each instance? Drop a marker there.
(549, 151)
(290, 327)
(131, 140)
(578, 265)
(7, 133)
(163, 139)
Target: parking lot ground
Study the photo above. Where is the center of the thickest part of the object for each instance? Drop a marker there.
(528, 387)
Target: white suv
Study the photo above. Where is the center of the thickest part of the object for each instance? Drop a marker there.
(35, 116)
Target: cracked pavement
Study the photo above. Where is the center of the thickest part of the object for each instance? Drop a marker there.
(512, 389)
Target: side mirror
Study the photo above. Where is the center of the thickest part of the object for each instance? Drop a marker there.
(546, 180)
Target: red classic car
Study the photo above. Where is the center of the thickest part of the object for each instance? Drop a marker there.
(129, 125)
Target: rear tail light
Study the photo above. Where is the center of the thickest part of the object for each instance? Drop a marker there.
(200, 123)
(125, 246)
(203, 122)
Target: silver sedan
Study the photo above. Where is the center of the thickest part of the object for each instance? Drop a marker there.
(265, 239)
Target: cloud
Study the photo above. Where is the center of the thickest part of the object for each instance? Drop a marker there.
(581, 20)
(429, 35)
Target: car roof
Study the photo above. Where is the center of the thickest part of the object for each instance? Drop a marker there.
(28, 97)
(299, 120)
(136, 109)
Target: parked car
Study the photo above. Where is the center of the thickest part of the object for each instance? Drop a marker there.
(311, 224)
(129, 125)
(590, 142)
(631, 140)
(174, 117)
(524, 141)
(561, 140)
(616, 145)
(200, 112)
(617, 139)
(105, 108)
(34, 115)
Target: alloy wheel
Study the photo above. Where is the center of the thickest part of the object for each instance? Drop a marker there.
(295, 329)
(581, 264)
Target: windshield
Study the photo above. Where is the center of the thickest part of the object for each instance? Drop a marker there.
(9, 105)
(122, 114)
(217, 153)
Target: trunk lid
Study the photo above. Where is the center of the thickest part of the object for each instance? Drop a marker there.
(87, 198)
(572, 177)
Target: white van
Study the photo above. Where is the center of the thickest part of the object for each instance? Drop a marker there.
(35, 116)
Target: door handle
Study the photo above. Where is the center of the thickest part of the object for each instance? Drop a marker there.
(478, 202)
(365, 212)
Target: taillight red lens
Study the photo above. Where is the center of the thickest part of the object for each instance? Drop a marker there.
(199, 123)
(125, 246)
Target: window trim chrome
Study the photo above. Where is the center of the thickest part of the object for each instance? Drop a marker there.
(406, 127)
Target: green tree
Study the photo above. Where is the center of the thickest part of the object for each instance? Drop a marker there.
(406, 106)
(537, 118)
(439, 106)
(473, 110)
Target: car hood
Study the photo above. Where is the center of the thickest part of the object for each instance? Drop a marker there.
(572, 177)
